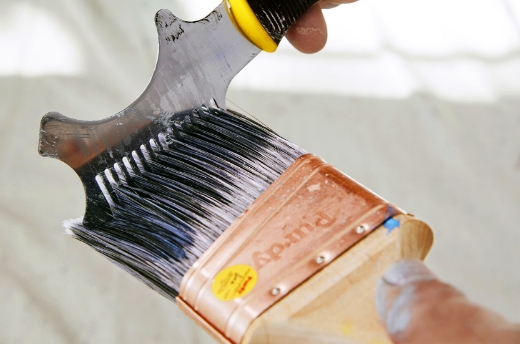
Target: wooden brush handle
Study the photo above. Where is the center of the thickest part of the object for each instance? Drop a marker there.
(337, 304)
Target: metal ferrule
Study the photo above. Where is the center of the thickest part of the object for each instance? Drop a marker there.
(312, 214)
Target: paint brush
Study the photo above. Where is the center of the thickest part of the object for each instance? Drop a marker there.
(254, 238)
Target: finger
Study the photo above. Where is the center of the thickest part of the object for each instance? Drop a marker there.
(416, 307)
(309, 33)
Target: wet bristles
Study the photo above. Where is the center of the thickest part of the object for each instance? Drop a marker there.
(172, 198)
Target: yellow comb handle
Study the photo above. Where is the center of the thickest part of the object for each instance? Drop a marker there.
(265, 22)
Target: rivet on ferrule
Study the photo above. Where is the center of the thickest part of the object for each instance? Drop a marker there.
(360, 229)
(320, 259)
(275, 291)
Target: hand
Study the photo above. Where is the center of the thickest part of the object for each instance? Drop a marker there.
(416, 307)
(309, 33)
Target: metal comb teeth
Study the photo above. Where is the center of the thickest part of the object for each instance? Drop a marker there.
(171, 198)
(162, 181)
(187, 74)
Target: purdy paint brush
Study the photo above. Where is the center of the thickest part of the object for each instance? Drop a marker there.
(255, 239)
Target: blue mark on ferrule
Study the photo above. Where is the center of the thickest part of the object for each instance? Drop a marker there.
(391, 224)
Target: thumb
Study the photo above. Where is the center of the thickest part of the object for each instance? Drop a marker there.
(309, 33)
(415, 307)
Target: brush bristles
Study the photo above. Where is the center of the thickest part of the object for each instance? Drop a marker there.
(175, 196)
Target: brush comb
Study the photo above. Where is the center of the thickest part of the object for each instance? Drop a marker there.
(191, 70)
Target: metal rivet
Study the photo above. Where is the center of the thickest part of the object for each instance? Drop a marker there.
(360, 229)
(320, 259)
(275, 291)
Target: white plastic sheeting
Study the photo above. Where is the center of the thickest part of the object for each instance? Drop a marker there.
(458, 50)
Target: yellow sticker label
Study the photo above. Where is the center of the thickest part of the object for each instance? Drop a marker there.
(234, 282)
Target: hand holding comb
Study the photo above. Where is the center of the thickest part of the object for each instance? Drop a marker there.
(257, 240)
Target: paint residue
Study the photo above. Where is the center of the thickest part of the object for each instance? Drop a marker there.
(391, 224)
(313, 187)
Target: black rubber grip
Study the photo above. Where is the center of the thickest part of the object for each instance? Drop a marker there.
(276, 16)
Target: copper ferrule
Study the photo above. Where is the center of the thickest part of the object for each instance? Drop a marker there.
(309, 216)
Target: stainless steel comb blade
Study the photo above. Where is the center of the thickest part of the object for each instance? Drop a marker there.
(196, 63)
